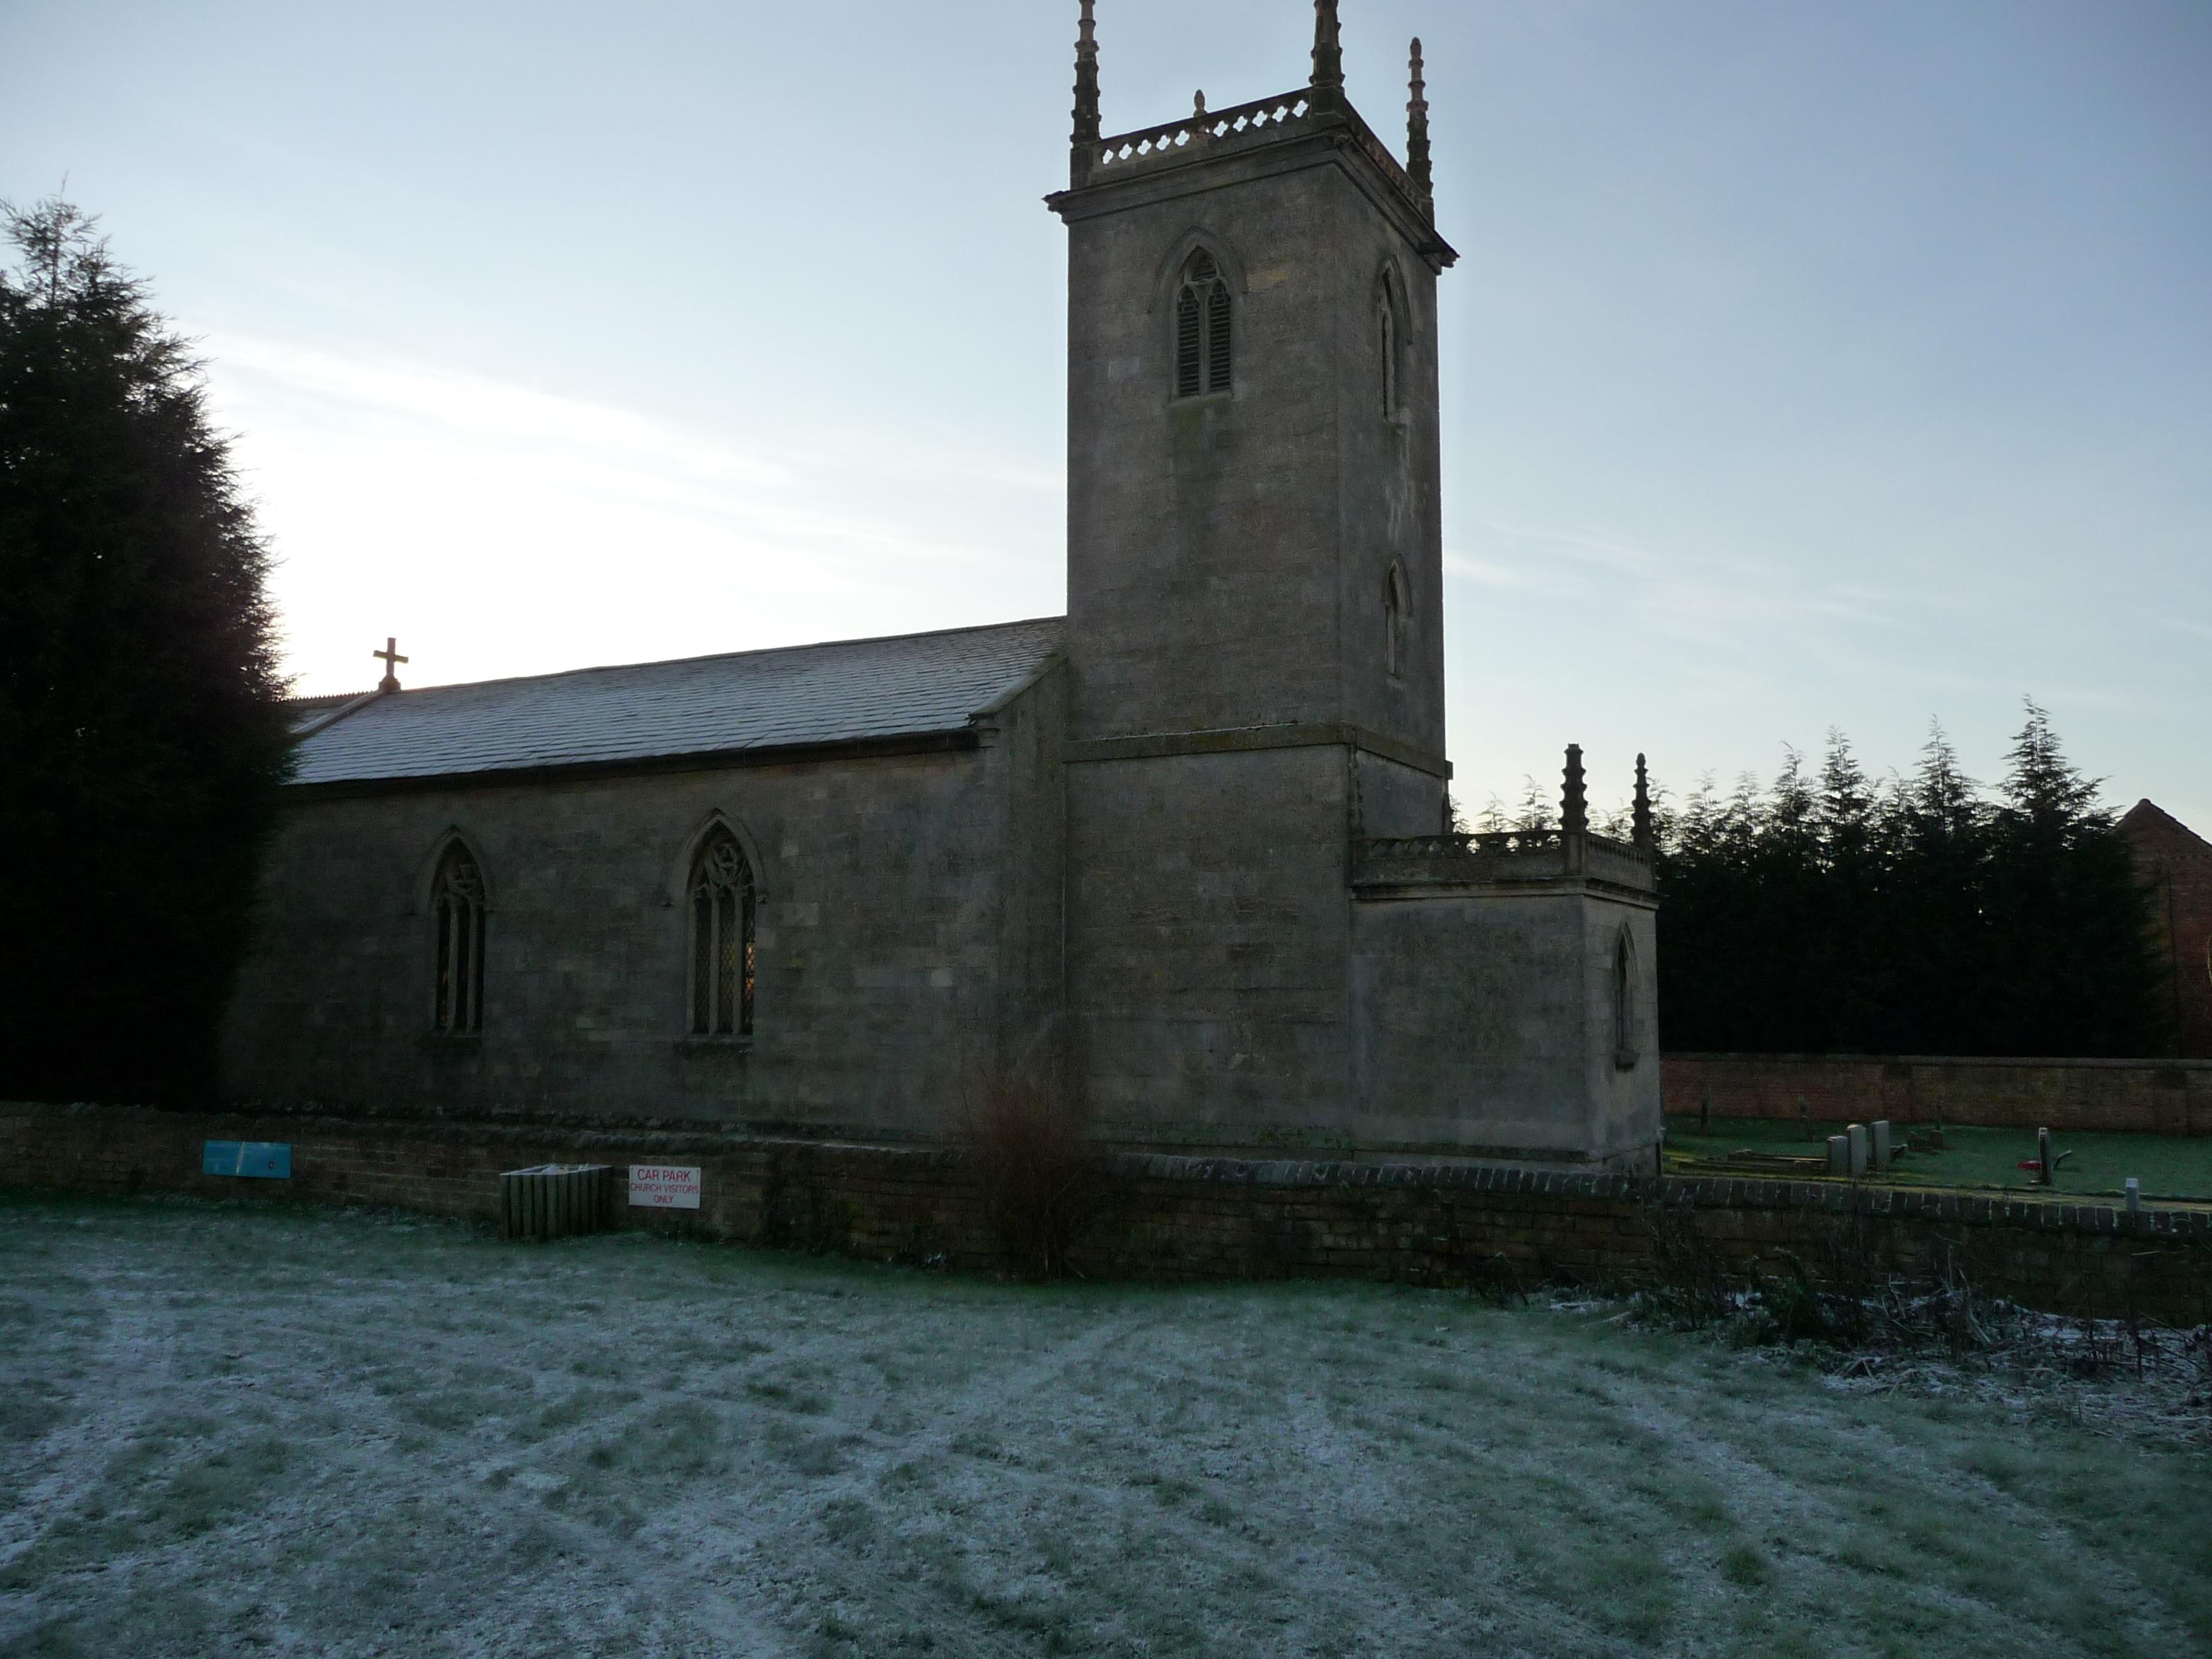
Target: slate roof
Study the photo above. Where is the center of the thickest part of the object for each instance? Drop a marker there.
(798, 696)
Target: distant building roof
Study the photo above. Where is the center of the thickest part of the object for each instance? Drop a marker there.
(844, 691)
(2147, 817)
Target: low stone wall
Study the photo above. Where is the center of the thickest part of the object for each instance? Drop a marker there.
(2140, 1096)
(1173, 1217)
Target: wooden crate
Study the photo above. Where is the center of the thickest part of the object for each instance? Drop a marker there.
(555, 1200)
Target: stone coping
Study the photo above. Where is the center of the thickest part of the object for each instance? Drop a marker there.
(2053, 1214)
(2143, 1063)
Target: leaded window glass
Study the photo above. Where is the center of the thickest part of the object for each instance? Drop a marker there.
(722, 955)
(457, 907)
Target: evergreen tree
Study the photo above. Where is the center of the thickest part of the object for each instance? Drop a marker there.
(2076, 966)
(1936, 933)
(142, 732)
(1822, 914)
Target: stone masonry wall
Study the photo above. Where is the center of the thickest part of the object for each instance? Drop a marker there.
(1165, 1217)
(2136, 1097)
(2175, 864)
(907, 942)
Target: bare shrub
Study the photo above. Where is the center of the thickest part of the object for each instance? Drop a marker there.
(1692, 1286)
(1842, 1295)
(1043, 1182)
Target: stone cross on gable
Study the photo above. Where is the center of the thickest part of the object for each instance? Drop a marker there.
(391, 659)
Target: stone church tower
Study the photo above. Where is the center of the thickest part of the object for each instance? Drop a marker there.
(1255, 651)
(1181, 855)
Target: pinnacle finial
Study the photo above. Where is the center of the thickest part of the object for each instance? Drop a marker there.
(1574, 800)
(1643, 831)
(1086, 76)
(1416, 132)
(1328, 45)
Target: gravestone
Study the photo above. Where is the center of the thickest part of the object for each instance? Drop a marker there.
(1840, 1155)
(1882, 1150)
(1856, 1136)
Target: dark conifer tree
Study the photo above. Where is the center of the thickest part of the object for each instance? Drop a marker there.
(1822, 915)
(1935, 929)
(2074, 963)
(142, 733)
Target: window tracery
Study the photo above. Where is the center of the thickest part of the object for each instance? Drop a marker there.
(723, 901)
(1205, 329)
(457, 905)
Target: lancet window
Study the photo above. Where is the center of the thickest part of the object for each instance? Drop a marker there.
(1396, 602)
(1623, 1001)
(458, 906)
(723, 898)
(1386, 342)
(1205, 341)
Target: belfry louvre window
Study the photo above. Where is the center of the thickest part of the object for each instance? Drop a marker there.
(1205, 341)
(459, 908)
(722, 903)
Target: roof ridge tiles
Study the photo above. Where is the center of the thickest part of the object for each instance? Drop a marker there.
(731, 656)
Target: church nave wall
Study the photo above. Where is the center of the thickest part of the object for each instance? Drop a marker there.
(889, 956)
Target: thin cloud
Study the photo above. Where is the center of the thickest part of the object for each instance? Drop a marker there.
(503, 503)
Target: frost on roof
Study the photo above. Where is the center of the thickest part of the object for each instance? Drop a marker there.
(844, 691)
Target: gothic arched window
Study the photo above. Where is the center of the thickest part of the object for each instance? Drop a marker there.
(1623, 1001)
(1396, 603)
(722, 903)
(458, 904)
(1386, 346)
(1205, 348)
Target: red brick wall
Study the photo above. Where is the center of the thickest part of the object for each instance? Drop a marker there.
(1169, 1217)
(2136, 1097)
(2176, 865)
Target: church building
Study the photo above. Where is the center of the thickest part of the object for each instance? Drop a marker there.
(1179, 862)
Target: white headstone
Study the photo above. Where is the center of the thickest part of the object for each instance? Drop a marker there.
(1840, 1155)
(1855, 1134)
(2135, 1195)
(1881, 1148)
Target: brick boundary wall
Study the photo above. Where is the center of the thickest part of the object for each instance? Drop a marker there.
(1171, 1218)
(2137, 1096)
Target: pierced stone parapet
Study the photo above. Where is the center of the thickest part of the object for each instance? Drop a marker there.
(1521, 859)
(1205, 132)
(1202, 127)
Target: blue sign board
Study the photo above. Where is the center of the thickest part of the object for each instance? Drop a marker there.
(270, 1160)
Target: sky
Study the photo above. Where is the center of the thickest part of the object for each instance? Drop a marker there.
(1807, 366)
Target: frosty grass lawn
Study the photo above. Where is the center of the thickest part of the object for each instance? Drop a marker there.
(239, 1430)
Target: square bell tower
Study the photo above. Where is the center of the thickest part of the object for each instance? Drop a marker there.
(1275, 944)
(1253, 537)
(1255, 647)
